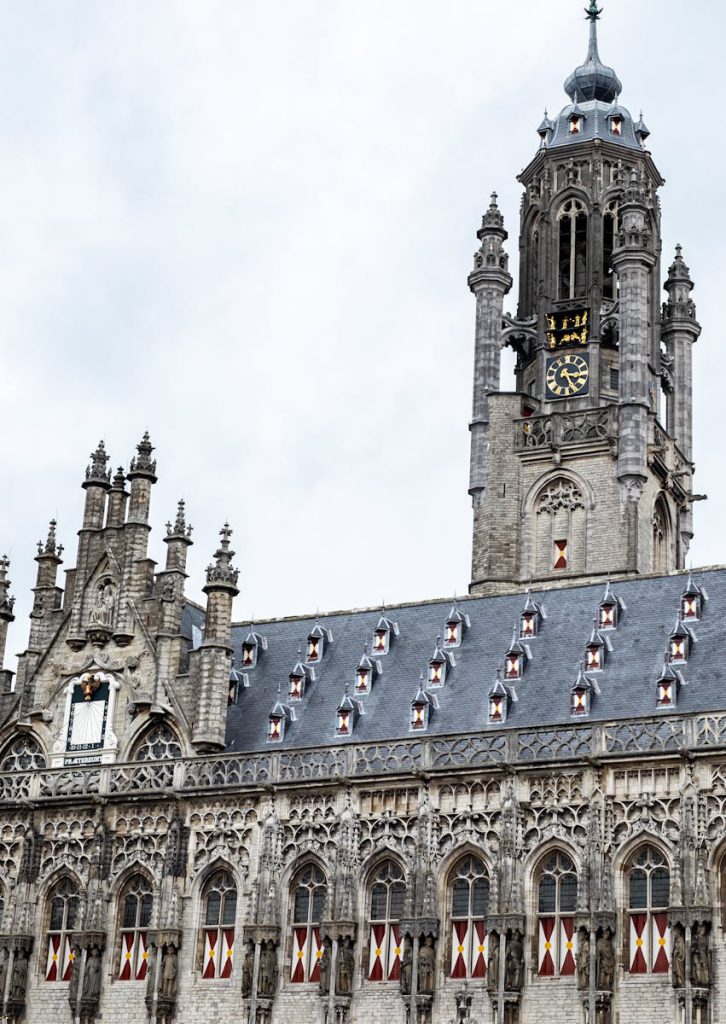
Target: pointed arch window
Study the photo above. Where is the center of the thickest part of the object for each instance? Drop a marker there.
(160, 743)
(610, 229)
(22, 755)
(219, 909)
(64, 904)
(308, 903)
(648, 882)
(572, 264)
(661, 538)
(469, 908)
(136, 905)
(556, 906)
(387, 901)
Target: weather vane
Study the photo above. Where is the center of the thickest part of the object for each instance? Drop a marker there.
(593, 12)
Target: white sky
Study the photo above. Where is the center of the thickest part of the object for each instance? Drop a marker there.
(247, 227)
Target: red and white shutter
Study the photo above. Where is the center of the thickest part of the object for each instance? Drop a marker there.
(68, 957)
(394, 952)
(546, 960)
(375, 960)
(225, 963)
(478, 951)
(210, 954)
(567, 946)
(459, 949)
(639, 954)
(316, 951)
(299, 955)
(661, 944)
(143, 956)
(127, 957)
(52, 967)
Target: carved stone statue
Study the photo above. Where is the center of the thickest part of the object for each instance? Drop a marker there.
(605, 961)
(268, 970)
(426, 967)
(514, 970)
(493, 968)
(102, 611)
(75, 973)
(583, 960)
(19, 977)
(406, 968)
(248, 970)
(678, 963)
(92, 976)
(4, 956)
(345, 968)
(169, 972)
(324, 967)
(700, 958)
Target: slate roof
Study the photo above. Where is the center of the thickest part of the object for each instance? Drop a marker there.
(595, 126)
(628, 683)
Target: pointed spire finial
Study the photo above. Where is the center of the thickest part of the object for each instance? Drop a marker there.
(51, 547)
(593, 12)
(96, 472)
(142, 464)
(222, 571)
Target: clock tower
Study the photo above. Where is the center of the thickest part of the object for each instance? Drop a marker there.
(585, 470)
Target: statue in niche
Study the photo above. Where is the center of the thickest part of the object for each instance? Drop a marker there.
(346, 966)
(92, 976)
(426, 967)
(514, 969)
(324, 968)
(19, 977)
(493, 967)
(605, 961)
(169, 972)
(248, 969)
(75, 972)
(700, 958)
(583, 960)
(678, 959)
(268, 970)
(406, 968)
(102, 611)
(4, 956)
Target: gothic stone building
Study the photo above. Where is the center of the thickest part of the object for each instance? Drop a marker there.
(508, 808)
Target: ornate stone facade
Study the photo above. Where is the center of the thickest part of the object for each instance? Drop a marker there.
(322, 821)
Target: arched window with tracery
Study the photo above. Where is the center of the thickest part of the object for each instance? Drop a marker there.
(661, 538)
(648, 889)
(560, 523)
(308, 903)
(387, 900)
(64, 903)
(23, 754)
(160, 743)
(136, 904)
(219, 912)
(556, 906)
(610, 228)
(572, 220)
(469, 906)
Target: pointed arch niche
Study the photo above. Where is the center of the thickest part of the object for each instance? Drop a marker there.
(557, 511)
(661, 537)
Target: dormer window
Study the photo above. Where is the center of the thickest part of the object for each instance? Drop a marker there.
(581, 695)
(616, 126)
(594, 658)
(276, 728)
(608, 614)
(297, 685)
(363, 680)
(530, 619)
(316, 644)
(692, 601)
(251, 648)
(679, 644)
(667, 686)
(421, 706)
(515, 660)
(383, 635)
(344, 728)
(498, 703)
(576, 124)
(454, 627)
(438, 665)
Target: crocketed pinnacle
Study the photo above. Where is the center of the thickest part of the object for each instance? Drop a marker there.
(180, 529)
(222, 570)
(593, 80)
(51, 547)
(6, 601)
(492, 223)
(96, 472)
(142, 464)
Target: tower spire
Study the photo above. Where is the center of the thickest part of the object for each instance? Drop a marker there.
(592, 13)
(592, 80)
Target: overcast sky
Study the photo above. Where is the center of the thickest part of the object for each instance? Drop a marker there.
(247, 226)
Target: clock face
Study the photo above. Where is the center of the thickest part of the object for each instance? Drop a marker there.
(568, 376)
